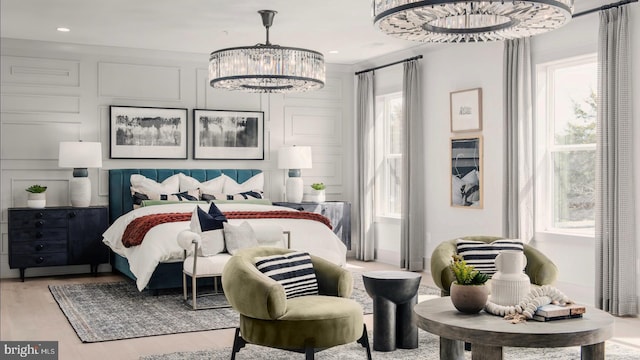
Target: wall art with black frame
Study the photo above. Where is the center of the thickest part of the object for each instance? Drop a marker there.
(147, 132)
(228, 135)
(466, 172)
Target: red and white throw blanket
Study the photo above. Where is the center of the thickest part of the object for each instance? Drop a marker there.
(138, 228)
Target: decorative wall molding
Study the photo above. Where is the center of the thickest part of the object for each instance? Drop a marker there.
(30, 104)
(18, 140)
(30, 71)
(139, 81)
(313, 126)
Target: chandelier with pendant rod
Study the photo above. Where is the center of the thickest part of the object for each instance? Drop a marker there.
(267, 68)
(451, 21)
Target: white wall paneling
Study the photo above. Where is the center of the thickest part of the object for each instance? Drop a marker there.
(139, 81)
(313, 126)
(34, 104)
(46, 100)
(35, 141)
(35, 71)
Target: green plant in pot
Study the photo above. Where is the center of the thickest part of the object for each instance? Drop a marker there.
(469, 293)
(317, 192)
(36, 197)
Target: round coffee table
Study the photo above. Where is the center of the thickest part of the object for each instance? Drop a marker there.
(489, 333)
(394, 294)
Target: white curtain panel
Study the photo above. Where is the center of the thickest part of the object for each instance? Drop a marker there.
(366, 166)
(413, 228)
(518, 125)
(616, 289)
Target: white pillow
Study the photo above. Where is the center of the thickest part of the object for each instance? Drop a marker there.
(255, 183)
(210, 227)
(144, 185)
(212, 186)
(239, 237)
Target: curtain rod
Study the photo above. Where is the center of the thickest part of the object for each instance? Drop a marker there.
(604, 7)
(393, 63)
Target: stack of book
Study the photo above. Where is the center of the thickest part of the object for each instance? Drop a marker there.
(559, 312)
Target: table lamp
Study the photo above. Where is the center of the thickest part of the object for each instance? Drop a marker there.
(294, 158)
(80, 155)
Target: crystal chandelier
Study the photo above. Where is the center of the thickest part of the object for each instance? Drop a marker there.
(450, 21)
(266, 68)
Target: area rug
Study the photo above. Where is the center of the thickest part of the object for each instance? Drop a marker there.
(428, 349)
(115, 311)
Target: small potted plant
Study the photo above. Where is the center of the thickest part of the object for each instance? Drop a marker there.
(36, 197)
(317, 192)
(469, 292)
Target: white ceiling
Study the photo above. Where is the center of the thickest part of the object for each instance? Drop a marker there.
(202, 26)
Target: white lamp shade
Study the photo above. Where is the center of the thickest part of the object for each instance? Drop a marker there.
(294, 157)
(80, 154)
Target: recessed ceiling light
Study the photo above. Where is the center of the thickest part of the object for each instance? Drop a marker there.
(334, 52)
(63, 29)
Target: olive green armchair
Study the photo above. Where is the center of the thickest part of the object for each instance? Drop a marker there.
(304, 324)
(540, 269)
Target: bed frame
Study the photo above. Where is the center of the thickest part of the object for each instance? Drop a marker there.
(166, 275)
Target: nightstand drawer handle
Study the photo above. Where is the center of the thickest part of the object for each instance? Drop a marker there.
(39, 247)
(39, 235)
(40, 260)
(72, 214)
(39, 215)
(39, 223)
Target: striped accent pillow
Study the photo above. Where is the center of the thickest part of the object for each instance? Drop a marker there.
(294, 271)
(482, 256)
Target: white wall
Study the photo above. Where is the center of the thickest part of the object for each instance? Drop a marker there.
(54, 92)
(447, 68)
(453, 67)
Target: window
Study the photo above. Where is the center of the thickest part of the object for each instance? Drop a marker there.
(388, 154)
(566, 134)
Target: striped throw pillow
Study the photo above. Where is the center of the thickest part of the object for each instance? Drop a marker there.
(294, 271)
(482, 256)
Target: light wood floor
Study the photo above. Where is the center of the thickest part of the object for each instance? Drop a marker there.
(28, 312)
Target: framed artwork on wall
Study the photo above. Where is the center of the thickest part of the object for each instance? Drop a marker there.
(228, 135)
(466, 172)
(147, 133)
(466, 110)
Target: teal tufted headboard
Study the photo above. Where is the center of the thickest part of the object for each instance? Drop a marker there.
(120, 201)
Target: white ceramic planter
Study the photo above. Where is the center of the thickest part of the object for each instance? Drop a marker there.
(36, 200)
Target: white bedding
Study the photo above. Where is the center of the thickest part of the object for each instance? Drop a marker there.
(160, 243)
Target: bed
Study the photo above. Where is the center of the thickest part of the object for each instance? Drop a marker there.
(307, 235)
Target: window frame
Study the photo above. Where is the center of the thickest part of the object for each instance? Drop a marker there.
(383, 158)
(546, 148)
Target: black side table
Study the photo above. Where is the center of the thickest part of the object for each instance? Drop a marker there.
(394, 295)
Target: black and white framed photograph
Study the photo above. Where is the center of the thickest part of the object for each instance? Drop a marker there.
(229, 135)
(147, 133)
(466, 110)
(466, 172)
